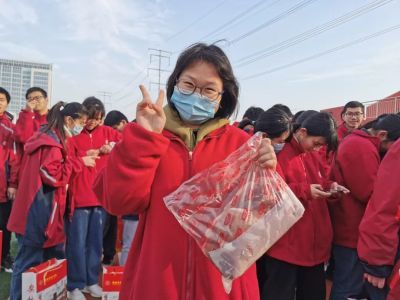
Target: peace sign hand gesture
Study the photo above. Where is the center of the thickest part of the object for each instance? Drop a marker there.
(151, 115)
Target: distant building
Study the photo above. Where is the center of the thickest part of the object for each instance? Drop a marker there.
(18, 76)
(388, 105)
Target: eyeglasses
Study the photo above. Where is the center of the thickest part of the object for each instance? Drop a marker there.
(36, 98)
(357, 114)
(187, 87)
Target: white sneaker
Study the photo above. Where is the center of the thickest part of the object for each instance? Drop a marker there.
(76, 294)
(94, 290)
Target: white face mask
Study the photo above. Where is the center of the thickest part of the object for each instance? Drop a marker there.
(77, 129)
(278, 147)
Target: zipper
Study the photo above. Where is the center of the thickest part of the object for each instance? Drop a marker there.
(189, 275)
(190, 265)
(91, 146)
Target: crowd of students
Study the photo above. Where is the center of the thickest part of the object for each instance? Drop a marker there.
(68, 172)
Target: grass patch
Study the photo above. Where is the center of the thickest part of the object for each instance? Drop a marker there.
(5, 278)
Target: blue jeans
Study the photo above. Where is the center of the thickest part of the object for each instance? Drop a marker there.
(29, 256)
(84, 247)
(348, 281)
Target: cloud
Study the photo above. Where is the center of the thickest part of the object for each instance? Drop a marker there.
(117, 24)
(386, 59)
(17, 12)
(22, 52)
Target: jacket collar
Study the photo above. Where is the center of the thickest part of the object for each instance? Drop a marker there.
(176, 127)
(296, 146)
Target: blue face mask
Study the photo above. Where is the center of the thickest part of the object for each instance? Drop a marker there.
(278, 147)
(193, 109)
(76, 130)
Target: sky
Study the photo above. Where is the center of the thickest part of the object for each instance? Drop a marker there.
(315, 54)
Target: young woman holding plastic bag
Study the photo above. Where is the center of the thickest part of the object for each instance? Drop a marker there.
(163, 149)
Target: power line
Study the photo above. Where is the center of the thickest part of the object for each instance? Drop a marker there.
(234, 19)
(335, 49)
(238, 21)
(160, 55)
(196, 20)
(129, 94)
(311, 33)
(129, 82)
(281, 16)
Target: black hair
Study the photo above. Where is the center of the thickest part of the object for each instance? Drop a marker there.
(274, 122)
(35, 89)
(285, 108)
(253, 113)
(389, 123)
(55, 117)
(114, 117)
(213, 55)
(371, 123)
(318, 124)
(94, 106)
(5, 93)
(10, 115)
(352, 104)
(245, 122)
(296, 115)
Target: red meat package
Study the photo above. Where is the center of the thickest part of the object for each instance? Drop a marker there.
(235, 210)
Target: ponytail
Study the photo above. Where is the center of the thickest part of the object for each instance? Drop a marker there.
(55, 117)
(55, 121)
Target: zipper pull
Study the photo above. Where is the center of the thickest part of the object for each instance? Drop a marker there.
(190, 155)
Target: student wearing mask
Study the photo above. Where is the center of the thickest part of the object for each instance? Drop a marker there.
(276, 125)
(37, 215)
(9, 165)
(166, 147)
(355, 166)
(294, 266)
(85, 224)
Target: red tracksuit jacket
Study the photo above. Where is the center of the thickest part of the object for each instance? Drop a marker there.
(355, 167)
(308, 242)
(164, 261)
(27, 124)
(378, 243)
(9, 157)
(81, 185)
(38, 210)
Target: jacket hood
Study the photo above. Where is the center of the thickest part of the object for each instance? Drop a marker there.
(40, 139)
(373, 139)
(175, 125)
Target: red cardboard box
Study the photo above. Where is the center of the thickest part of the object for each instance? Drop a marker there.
(46, 281)
(112, 280)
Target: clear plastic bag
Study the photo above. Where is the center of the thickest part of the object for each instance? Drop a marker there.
(235, 210)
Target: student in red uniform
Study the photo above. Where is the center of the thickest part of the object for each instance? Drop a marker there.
(356, 165)
(85, 224)
(38, 210)
(352, 116)
(9, 164)
(277, 126)
(294, 266)
(33, 115)
(118, 121)
(156, 155)
(378, 242)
